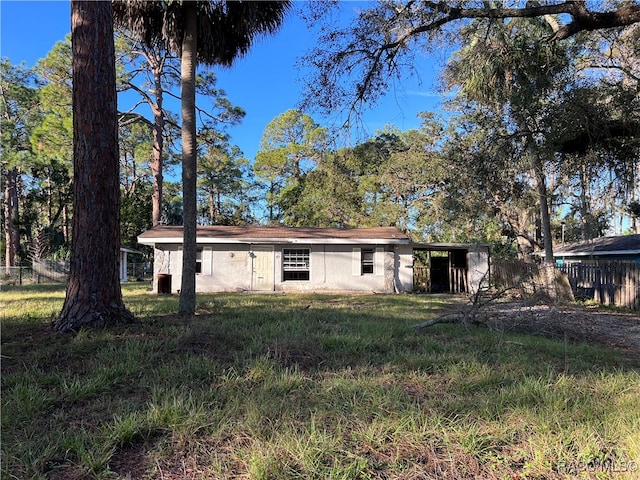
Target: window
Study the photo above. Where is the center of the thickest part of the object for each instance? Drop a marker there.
(204, 261)
(366, 261)
(199, 260)
(295, 264)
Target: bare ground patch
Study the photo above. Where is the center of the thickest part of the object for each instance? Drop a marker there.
(620, 331)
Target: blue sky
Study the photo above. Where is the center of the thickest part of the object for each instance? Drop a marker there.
(265, 83)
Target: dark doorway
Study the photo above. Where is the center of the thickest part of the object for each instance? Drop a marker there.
(439, 274)
(440, 271)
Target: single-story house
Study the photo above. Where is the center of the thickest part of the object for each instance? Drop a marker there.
(604, 249)
(252, 258)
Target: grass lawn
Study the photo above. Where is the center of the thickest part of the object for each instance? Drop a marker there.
(308, 387)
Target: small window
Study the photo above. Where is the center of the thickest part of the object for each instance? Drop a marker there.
(366, 261)
(199, 260)
(295, 264)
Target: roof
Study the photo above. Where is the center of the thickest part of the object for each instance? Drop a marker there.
(253, 234)
(619, 245)
(129, 250)
(444, 246)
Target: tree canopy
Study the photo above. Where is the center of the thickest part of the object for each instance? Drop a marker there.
(533, 116)
(355, 65)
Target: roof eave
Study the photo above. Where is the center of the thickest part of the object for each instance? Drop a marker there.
(596, 253)
(288, 241)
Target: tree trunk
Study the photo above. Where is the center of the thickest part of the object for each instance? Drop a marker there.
(158, 147)
(212, 205)
(545, 217)
(93, 296)
(11, 232)
(585, 206)
(187, 304)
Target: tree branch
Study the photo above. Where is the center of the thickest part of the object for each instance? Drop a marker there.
(582, 19)
(376, 42)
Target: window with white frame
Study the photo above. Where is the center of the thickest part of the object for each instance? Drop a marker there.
(199, 260)
(295, 264)
(367, 265)
(368, 261)
(204, 260)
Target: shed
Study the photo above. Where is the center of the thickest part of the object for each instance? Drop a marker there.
(256, 258)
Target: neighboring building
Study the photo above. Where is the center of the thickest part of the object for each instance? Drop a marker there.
(48, 270)
(124, 258)
(378, 259)
(604, 249)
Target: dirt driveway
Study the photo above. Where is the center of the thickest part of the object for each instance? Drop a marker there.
(591, 325)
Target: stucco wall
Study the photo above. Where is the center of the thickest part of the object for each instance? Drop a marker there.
(333, 267)
(168, 260)
(478, 260)
(228, 268)
(404, 268)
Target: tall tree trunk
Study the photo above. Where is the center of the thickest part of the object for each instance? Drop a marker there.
(187, 304)
(545, 217)
(93, 296)
(212, 205)
(158, 147)
(11, 232)
(585, 204)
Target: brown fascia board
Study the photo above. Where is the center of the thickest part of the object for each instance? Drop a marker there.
(448, 246)
(280, 235)
(597, 253)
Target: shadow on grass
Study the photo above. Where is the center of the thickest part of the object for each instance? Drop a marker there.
(309, 386)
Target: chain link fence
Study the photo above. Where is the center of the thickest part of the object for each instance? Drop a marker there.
(20, 275)
(56, 271)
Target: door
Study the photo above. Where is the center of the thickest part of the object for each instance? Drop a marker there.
(262, 268)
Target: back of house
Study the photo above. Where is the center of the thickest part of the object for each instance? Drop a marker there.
(250, 258)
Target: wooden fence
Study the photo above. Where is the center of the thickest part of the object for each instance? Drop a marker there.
(458, 280)
(507, 274)
(614, 283)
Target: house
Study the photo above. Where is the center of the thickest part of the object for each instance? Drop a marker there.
(604, 249)
(232, 258)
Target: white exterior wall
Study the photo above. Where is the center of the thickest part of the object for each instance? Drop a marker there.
(168, 260)
(478, 261)
(224, 268)
(228, 268)
(334, 268)
(404, 268)
(123, 267)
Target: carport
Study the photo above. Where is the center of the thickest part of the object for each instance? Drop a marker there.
(449, 267)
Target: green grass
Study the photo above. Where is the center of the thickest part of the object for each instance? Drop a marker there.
(308, 387)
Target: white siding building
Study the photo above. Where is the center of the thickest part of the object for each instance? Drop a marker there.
(235, 259)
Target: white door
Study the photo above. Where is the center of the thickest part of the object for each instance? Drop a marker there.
(262, 268)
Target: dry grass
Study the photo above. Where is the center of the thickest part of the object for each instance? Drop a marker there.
(306, 386)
